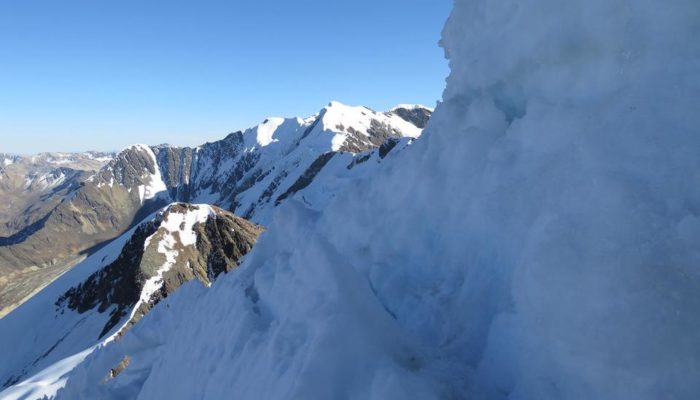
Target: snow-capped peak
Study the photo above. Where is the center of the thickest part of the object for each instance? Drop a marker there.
(357, 128)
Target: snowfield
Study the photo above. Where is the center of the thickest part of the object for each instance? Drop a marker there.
(539, 242)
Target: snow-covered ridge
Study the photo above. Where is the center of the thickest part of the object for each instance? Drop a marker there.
(333, 127)
(411, 107)
(108, 293)
(83, 160)
(354, 122)
(175, 232)
(248, 171)
(266, 130)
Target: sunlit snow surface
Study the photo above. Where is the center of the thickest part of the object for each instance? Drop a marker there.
(46, 382)
(539, 243)
(155, 185)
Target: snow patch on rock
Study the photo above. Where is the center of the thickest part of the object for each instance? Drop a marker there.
(174, 222)
(155, 185)
(266, 130)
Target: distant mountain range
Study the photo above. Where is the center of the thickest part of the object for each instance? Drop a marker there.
(31, 189)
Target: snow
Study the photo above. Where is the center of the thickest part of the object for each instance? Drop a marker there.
(410, 107)
(291, 147)
(99, 157)
(43, 181)
(60, 161)
(46, 382)
(184, 223)
(538, 243)
(155, 185)
(266, 130)
(166, 246)
(101, 183)
(360, 119)
(47, 181)
(104, 159)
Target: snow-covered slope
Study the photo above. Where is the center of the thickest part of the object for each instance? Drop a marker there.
(539, 243)
(108, 293)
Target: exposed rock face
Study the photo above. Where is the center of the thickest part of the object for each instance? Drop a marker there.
(182, 243)
(307, 177)
(416, 115)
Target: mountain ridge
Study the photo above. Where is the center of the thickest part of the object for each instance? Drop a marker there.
(248, 172)
(108, 293)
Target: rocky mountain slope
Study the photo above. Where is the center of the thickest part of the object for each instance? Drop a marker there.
(109, 292)
(31, 187)
(248, 172)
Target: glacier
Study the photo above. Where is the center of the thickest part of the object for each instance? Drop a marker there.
(538, 242)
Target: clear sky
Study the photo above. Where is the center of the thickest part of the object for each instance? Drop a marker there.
(79, 75)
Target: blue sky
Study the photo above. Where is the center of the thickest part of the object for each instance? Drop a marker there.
(79, 75)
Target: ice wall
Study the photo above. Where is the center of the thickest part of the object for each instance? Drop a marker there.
(576, 129)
